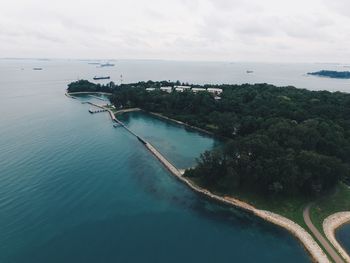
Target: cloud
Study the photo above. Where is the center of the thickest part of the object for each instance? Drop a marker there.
(341, 7)
(298, 30)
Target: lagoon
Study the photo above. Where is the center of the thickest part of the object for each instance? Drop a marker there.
(180, 145)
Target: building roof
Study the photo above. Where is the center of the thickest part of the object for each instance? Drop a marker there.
(214, 89)
(198, 89)
(183, 87)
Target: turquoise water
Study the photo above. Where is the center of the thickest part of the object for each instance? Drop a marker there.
(179, 145)
(75, 189)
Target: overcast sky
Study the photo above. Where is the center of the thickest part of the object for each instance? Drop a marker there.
(211, 30)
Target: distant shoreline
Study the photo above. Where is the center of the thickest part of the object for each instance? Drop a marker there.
(83, 92)
(331, 74)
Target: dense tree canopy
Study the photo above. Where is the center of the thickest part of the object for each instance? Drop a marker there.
(283, 140)
(86, 86)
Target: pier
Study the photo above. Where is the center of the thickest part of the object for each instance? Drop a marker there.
(92, 111)
(70, 96)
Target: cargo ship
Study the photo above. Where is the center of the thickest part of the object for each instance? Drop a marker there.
(107, 65)
(100, 78)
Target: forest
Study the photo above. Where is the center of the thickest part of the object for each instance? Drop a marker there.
(86, 86)
(279, 140)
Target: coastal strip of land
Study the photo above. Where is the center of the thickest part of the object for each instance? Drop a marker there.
(330, 224)
(301, 234)
(320, 237)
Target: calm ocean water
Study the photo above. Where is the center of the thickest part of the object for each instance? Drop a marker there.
(75, 189)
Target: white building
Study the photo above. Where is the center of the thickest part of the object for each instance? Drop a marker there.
(167, 89)
(183, 87)
(150, 89)
(195, 90)
(180, 89)
(215, 91)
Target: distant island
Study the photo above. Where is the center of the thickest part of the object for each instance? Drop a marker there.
(331, 74)
(284, 148)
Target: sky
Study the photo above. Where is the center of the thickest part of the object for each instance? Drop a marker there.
(196, 30)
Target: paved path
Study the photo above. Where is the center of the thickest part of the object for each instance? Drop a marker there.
(319, 236)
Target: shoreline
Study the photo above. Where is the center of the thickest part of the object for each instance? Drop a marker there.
(310, 245)
(330, 225)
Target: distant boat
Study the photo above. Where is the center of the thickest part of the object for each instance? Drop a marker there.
(37, 68)
(250, 71)
(99, 78)
(107, 65)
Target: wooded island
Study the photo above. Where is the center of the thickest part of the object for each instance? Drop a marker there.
(282, 140)
(331, 74)
(285, 150)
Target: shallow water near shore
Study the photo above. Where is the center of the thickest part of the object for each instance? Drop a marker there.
(75, 189)
(179, 144)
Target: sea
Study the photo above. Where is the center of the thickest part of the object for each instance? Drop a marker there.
(73, 188)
